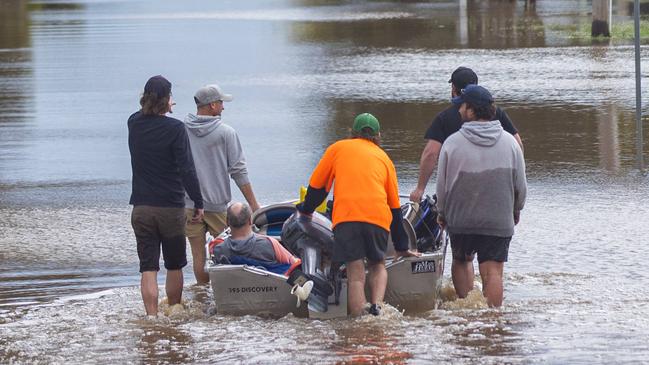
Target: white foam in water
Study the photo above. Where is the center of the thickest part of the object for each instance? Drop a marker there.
(85, 297)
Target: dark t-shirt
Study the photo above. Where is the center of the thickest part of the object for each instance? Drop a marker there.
(162, 162)
(449, 121)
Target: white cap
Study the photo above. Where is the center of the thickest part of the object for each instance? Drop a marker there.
(209, 94)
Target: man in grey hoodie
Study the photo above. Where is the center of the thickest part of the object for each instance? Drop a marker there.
(218, 156)
(481, 189)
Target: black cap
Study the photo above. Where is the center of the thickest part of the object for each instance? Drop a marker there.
(158, 85)
(462, 77)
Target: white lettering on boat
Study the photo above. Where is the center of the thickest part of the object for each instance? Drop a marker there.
(423, 266)
(253, 289)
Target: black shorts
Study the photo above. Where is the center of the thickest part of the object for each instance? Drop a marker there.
(488, 248)
(155, 226)
(357, 240)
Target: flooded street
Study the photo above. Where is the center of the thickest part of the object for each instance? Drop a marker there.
(576, 284)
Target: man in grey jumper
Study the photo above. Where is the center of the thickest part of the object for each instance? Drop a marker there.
(218, 156)
(481, 189)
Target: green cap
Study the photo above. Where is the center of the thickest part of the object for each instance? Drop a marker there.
(366, 120)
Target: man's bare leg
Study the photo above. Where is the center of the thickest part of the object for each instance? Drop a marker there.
(355, 287)
(197, 245)
(462, 274)
(174, 286)
(149, 290)
(492, 282)
(378, 278)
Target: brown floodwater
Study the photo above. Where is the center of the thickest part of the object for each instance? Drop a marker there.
(300, 70)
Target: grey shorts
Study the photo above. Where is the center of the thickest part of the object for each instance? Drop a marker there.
(155, 227)
(357, 240)
(488, 248)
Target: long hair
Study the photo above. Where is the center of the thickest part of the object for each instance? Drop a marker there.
(368, 134)
(152, 104)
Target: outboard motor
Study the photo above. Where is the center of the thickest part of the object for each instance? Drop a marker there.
(311, 239)
(428, 233)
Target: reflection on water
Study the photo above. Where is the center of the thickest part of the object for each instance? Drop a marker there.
(300, 70)
(487, 332)
(609, 144)
(14, 23)
(15, 81)
(471, 24)
(368, 344)
(161, 343)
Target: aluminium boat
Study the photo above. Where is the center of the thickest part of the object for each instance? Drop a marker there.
(413, 282)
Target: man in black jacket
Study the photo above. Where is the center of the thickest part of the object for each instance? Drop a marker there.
(447, 122)
(163, 170)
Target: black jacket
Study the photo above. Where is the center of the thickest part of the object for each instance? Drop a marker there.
(162, 162)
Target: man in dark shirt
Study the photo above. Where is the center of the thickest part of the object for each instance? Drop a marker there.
(163, 169)
(447, 122)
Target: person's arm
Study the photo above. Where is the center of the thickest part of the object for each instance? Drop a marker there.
(185, 162)
(517, 136)
(441, 188)
(427, 165)
(238, 169)
(247, 192)
(222, 251)
(313, 198)
(508, 126)
(520, 186)
(399, 236)
(319, 184)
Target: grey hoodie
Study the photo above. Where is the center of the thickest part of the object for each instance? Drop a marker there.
(481, 180)
(256, 247)
(218, 156)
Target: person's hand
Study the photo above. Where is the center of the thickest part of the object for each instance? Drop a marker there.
(198, 215)
(415, 195)
(304, 217)
(441, 221)
(517, 217)
(407, 253)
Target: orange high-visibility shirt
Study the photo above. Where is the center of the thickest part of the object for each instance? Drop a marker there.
(366, 186)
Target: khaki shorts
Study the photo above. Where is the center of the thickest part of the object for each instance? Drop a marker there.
(212, 221)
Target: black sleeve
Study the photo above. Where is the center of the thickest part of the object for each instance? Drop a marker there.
(399, 237)
(185, 162)
(313, 198)
(507, 124)
(436, 130)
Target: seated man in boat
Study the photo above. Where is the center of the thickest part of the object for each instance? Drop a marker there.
(244, 247)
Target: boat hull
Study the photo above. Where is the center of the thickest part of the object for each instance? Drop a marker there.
(244, 290)
(414, 282)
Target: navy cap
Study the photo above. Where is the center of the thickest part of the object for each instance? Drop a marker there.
(158, 85)
(463, 76)
(475, 95)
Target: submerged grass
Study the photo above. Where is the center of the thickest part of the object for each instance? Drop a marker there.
(623, 31)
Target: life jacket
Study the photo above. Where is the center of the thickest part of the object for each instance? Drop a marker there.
(282, 255)
(214, 242)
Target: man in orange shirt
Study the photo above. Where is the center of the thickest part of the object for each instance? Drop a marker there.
(366, 209)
